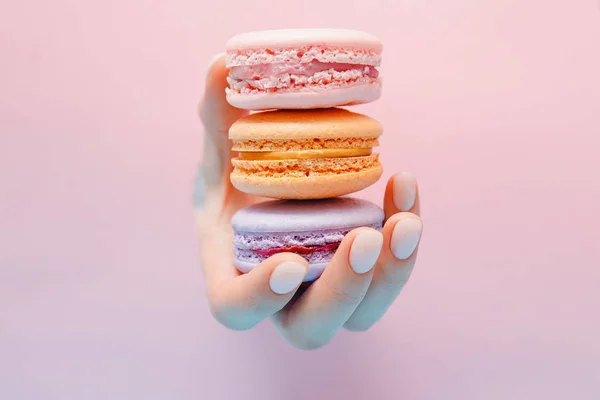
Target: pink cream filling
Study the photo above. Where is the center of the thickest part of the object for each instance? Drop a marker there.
(297, 249)
(275, 77)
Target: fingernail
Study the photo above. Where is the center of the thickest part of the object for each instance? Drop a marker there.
(405, 237)
(286, 277)
(405, 191)
(365, 251)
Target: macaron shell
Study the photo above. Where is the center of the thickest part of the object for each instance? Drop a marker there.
(306, 216)
(310, 187)
(283, 223)
(305, 124)
(285, 38)
(301, 100)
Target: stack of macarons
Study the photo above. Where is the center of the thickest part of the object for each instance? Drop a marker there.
(298, 147)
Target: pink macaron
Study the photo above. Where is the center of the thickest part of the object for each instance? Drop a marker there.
(303, 68)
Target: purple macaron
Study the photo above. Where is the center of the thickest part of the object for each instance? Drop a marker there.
(312, 229)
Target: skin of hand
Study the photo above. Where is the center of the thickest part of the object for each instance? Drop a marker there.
(363, 279)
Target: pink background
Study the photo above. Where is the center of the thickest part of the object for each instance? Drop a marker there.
(494, 105)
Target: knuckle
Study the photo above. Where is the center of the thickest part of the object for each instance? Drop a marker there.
(219, 316)
(217, 310)
(248, 300)
(256, 301)
(394, 278)
(345, 296)
(309, 344)
(228, 321)
(238, 312)
(303, 340)
(357, 326)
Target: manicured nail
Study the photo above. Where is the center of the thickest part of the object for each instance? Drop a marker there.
(286, 277)
(405, 237)
(405, 191)
(365, 250)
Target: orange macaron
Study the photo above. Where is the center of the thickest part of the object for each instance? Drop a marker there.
(305, 154)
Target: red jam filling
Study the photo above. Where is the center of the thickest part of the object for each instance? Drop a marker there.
(297, 249)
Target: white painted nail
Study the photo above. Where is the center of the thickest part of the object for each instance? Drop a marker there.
(286, 277)
(405, 191)
(405, 237)
(365, 250)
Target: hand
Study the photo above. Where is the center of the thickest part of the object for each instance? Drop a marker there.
(307, 315)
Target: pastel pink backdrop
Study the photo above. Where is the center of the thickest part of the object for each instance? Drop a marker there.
(494, 105)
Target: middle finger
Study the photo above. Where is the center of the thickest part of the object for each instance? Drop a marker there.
(314, 319)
